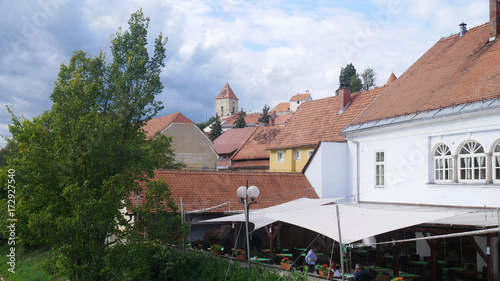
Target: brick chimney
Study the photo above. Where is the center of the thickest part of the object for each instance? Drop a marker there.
(344, 96)
(494, 19)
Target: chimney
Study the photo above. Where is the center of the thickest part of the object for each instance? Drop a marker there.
(344, 96)
(272, 123)
(463, 29)
(494, 19)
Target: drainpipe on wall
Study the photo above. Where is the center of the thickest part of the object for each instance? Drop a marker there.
(356, 197)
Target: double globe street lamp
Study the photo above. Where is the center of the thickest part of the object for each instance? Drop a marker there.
(245, 192)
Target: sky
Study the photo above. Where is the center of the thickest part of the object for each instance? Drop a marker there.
(266, 50)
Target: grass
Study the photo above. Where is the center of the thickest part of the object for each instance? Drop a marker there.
(28, 264)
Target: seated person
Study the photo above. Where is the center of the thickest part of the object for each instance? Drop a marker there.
(336, 271)
(361, 274)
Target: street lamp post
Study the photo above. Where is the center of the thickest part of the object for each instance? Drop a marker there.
(245, 192)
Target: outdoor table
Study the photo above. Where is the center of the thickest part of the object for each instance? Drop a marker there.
(284, 255)
(378, 269)
(468, 272)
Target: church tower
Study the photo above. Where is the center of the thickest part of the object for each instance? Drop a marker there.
(226, 103)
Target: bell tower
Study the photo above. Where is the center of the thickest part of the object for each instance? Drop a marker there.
(226, 103)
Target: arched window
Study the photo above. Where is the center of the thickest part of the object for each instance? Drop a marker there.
(443, 163)
(496, 163)
(472, 162)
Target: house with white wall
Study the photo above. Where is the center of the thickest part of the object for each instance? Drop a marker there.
(430, 140)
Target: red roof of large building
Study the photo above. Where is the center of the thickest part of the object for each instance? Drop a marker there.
(231, 140)
(250, 118)
(160, 123)
(226, 93)
(204, 190)
(257, 144)
(456, 70)
(319, 120)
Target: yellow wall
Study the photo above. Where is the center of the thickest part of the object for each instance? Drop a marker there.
(289, 164)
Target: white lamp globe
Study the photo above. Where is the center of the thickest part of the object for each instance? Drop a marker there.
(253, 192)
(242, 192)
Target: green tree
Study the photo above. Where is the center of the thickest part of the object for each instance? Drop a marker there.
(215, 128)
(76, 163)
(355, 83)
(369, 76)
(203, 125)
(264, 116)
(346, 74)
(240, 119)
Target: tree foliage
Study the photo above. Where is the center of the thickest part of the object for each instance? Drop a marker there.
(369, 76)
(203, 125)
(264, 116)
(240, 119)
(76, 163)
(215, 128)
(355, 83)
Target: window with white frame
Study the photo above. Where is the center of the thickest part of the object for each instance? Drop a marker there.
(379, 168)
(280, 156)
(472, 161)
(310, 153)
(443, 163)
(296, 155)
(496, 163)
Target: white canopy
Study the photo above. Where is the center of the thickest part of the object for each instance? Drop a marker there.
(256, 216)
(356, 221)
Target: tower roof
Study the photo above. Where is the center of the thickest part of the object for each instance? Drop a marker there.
(391, 79)
(226, 93)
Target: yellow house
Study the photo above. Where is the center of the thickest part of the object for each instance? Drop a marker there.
(314, 122)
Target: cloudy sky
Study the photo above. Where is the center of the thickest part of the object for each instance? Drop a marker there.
(267, 50)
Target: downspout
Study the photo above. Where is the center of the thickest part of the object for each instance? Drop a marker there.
(356, 197)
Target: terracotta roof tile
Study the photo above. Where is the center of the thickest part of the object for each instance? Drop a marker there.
(251, 165)
(231, 140)
(250, 118)
(160, 123)
(226, 93)
(300, 97)
(456, 70)
(203, 189)
(281, 120)
(318, 120)
(282, 107)
(257, 144)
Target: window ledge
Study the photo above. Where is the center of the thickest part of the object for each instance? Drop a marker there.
(465, 184)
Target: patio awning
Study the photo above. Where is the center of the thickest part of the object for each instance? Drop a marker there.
(257, 218)
(361, 220)
(356, 222)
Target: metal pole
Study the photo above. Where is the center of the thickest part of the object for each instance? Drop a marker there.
(341, 246)
(246, 227)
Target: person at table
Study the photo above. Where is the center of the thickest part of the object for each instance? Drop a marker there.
(361, 274)
(336, 271)
(311, 259)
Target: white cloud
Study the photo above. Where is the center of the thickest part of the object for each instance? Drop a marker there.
(268, 50)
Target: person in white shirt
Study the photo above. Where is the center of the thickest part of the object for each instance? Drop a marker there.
(311, 259)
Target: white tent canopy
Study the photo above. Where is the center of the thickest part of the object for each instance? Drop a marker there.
(256, 216)
(356, 221)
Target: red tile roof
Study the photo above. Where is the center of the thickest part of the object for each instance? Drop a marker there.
(250, 165)
(226, 93)
(391, 79)
(281, 120)
(250, 118)
(456, 70)
(231, 140)
(318, 120)
(257, 144)
(282, 107)
(203, 189)
(300, 97)
(161, 123)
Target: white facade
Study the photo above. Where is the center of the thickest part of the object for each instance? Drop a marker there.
(409, 164)
(328, 170)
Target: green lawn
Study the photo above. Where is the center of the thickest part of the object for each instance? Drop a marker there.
(28, 263)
